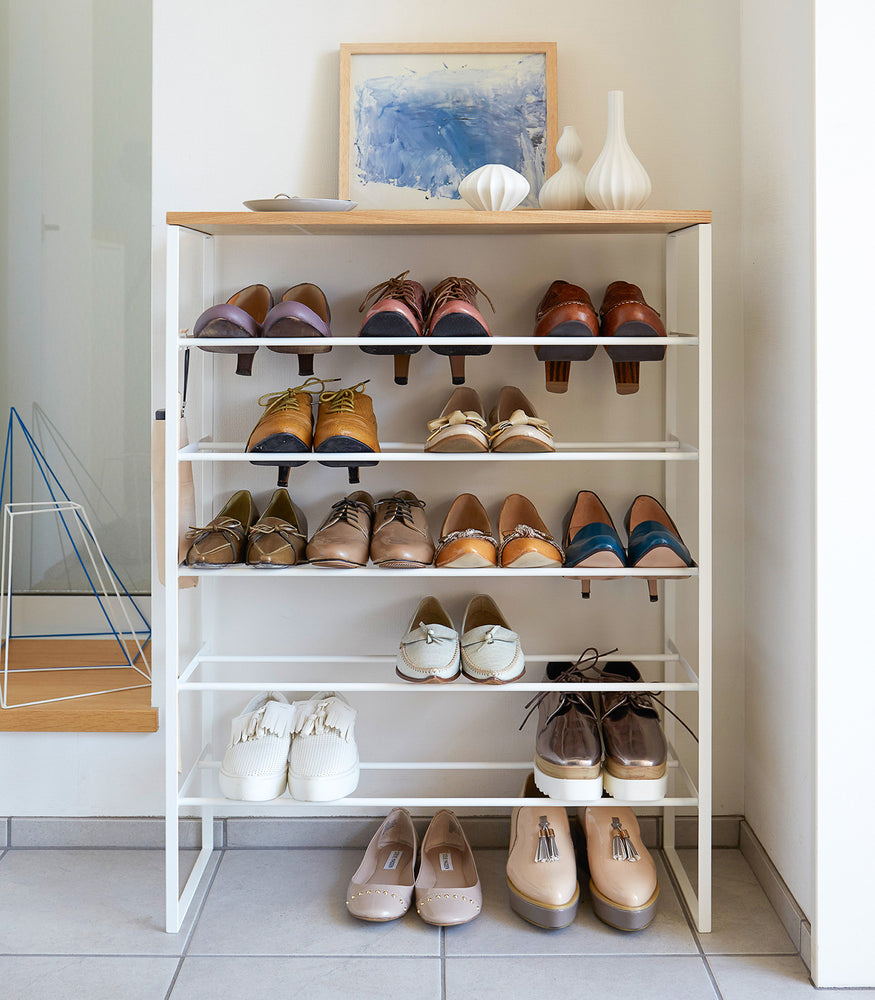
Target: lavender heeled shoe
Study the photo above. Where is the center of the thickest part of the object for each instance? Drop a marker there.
(241, 316)
(302, 312)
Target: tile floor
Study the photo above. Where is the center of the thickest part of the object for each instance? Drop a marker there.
(87, 923)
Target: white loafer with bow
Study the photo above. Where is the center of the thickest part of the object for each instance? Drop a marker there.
(491, 650)
(429, 650)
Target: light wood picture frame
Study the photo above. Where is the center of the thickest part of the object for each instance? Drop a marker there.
(415, 118)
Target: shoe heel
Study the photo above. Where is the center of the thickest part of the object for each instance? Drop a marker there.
(457, 368)
(282, 475)
(652, 591)
(584, 589)
(626, 376)
(305, 364)
(402, 367)
(244, 364)
(557, 373)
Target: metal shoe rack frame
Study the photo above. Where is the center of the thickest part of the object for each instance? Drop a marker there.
(191, 786)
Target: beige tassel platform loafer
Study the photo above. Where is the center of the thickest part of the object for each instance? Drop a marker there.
(541, 868)
(382, 887)
(447, 887)
(623, 886)
(324, 759)
(429, 651)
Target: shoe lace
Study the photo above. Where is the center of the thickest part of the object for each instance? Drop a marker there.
(399, 509)
(229, 527)
(454, 288)
(395, 288)
(346, 510)
(342, 400)
(454, 536)
(287, 531)
(289, 399)
(585, 664)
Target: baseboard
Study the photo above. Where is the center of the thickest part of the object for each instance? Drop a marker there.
(305, 831)
(784, 904)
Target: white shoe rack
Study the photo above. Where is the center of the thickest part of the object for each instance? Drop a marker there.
(193, 667)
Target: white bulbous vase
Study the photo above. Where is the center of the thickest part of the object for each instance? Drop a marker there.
(566, 189)
(617, 180)
(494, 188)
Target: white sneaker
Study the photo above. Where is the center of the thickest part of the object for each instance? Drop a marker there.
(491, 650)
(429, 651)
(324, 761)
(255, 764)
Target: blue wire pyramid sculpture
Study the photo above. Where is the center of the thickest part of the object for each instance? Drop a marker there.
(62, 505)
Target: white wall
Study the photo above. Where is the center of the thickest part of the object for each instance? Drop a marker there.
(845, 164)
(777, 195)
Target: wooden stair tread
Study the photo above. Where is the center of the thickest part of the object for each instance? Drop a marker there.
(116, 712)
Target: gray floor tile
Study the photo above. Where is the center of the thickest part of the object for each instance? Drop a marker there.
(222, 978)
(294, 903)
(627, 977)
(83, 902)
(778, 977)
(4, 827)
(743, 921)
(499, 931)
(97, 978)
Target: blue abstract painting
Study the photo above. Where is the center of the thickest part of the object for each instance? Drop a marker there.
(422, 127)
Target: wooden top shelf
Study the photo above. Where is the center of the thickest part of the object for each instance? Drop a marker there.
(428, 222)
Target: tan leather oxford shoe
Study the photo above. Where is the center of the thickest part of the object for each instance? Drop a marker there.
(401, 538)
(343, 538)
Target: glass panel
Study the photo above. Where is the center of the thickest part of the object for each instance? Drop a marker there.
(75, 272)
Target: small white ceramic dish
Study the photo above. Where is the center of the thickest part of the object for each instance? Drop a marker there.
(283, 203)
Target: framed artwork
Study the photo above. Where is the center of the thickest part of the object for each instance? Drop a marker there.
(415, 119)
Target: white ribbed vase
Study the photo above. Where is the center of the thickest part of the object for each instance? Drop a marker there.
(617, 180)
(566, 189)
(493, 188)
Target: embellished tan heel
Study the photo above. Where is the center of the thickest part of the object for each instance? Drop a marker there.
(457, 368)
(557, 374)
(627, 376)
(402, 368)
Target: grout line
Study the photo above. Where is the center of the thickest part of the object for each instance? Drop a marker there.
(9, 831)
(443, 939)
(689, 919)
(194, 924)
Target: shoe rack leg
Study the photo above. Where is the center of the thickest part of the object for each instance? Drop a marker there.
(171, 590)
(703, 920)
(672, 431)
(207, 390)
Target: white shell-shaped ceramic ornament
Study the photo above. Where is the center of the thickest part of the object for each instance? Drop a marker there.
(566, 189)
(617, 181)
(494, 188)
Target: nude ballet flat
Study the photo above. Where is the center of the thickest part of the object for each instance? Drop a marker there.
(382, 886)
(447, 887)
